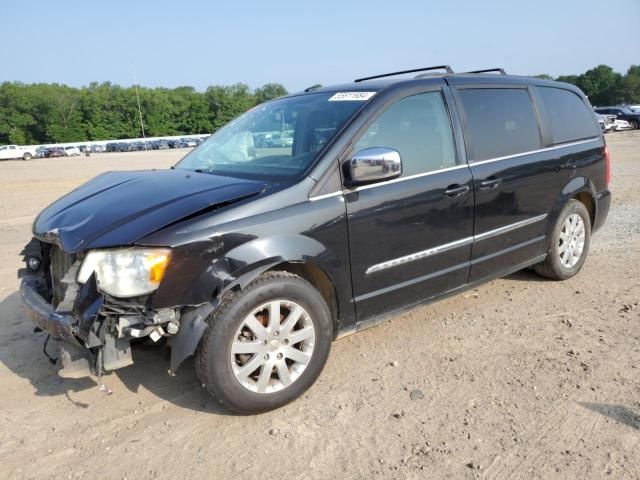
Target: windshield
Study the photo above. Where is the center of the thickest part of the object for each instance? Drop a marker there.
(275, 140)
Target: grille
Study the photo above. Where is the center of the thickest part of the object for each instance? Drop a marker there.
(59, 264)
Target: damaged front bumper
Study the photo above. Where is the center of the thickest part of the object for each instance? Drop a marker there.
(59, 325)
(95, 337)
(77, 360)
(95, 330)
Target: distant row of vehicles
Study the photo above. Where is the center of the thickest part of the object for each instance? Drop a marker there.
(51, 152)
(9, 152)
(617, 118)
(154, 144)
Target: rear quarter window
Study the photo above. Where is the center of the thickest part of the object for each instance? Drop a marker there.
(499, 122)
(569, 118)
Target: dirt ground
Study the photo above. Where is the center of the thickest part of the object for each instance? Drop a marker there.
(521, 378)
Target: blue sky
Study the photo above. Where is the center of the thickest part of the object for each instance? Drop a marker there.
(201, 43)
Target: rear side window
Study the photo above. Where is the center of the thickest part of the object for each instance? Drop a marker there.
(500, 122)
(569, 118)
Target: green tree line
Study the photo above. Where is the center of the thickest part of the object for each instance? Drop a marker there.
(52, 113)
(604, 86)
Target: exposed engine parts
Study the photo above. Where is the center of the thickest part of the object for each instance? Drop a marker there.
(155, 325)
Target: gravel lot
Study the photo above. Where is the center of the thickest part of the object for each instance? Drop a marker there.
(521, 378)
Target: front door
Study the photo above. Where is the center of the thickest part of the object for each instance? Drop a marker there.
(410, 238)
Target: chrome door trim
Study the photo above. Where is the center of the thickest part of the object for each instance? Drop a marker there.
(388, 182)
(509, 228)
(419, 255)
(412, 257)
(531, 152)
(326, 195)
(412, 281)
(410, 177)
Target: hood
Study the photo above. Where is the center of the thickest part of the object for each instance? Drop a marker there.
(118, 208)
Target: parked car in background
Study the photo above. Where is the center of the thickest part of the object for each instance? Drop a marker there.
(98, 148)
(189, 142)
(622, 113)
(8, 152)
(41, 152)
(53, 152)
(606, 122)
(619, 125)
(71, 151)
(160, 145)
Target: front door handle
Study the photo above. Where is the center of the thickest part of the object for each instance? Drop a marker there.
(490, 182)
(456, 190)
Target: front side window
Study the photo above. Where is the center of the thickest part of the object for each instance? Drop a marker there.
(418, 127)
(277, 140)
(500, 122)
(569, 118)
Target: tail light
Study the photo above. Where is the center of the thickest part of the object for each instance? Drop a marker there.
(607, 165)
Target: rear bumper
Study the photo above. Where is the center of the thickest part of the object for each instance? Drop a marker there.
(61, 326)
(603, 203)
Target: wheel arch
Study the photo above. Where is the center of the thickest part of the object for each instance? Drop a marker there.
(319, 279)
(590, 204)
(296, 254)
(578, 188)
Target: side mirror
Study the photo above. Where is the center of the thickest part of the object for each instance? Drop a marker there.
(373, 165)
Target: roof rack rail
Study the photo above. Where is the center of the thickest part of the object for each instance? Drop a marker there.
(489, 70)
(438, 67)
(312, 88)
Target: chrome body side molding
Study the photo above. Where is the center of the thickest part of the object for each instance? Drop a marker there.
(508, 228)
(456, 244)
(418, 255)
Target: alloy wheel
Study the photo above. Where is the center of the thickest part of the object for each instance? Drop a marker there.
(571, 241)
(273, 346)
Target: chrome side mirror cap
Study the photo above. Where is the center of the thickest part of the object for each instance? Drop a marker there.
(374, 165)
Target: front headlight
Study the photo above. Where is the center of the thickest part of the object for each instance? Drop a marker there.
(126, 272)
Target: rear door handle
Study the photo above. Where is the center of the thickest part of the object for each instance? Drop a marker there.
(456, 190)
(490, 182)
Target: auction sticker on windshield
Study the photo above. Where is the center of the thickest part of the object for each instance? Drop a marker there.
(351, 96)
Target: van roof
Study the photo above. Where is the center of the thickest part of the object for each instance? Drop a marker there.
(377, 83)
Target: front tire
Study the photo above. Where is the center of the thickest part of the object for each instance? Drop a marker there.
(569, 243)
(634, 124)
(266, 344)
(26, 157)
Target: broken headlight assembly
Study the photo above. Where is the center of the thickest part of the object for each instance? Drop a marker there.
(126, 272)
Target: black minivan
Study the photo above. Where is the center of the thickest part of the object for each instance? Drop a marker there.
(253, 256)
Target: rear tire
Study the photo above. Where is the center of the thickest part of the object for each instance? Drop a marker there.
(569, 243)
(26, 157)
(252, 364)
